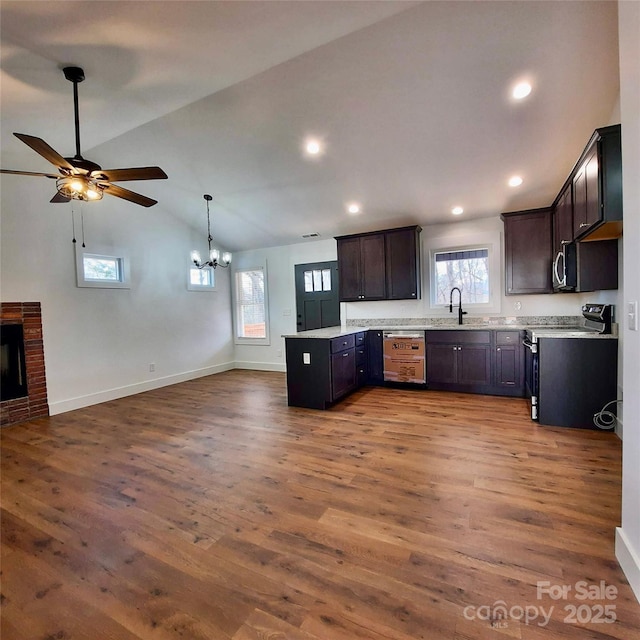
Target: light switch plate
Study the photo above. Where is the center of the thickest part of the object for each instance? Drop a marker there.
(306, 358)
(632, 315)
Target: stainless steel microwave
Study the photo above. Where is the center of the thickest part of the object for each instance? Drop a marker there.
(586, 266)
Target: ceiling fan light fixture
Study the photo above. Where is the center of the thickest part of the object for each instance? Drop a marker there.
(79, 188)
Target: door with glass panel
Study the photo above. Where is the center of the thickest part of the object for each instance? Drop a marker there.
(317, 300)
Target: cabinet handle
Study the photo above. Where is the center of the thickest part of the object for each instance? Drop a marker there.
(498, 349)
(345, 355)
(584, 224)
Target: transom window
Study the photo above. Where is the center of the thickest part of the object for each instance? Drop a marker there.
(108, 269)
(102, 268)
(201, 279)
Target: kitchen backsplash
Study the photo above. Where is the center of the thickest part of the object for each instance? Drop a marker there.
(453, 322)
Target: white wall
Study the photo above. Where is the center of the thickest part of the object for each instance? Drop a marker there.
(98, 343)
(628, 535)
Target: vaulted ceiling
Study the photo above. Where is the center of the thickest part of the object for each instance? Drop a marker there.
(411, 101)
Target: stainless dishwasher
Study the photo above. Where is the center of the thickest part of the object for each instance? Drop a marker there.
(404, 356)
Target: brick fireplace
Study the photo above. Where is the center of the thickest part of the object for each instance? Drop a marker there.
(34, 404)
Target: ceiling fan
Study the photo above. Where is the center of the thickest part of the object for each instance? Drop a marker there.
(79, 178)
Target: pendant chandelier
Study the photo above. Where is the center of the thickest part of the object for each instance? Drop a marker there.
(215, 259)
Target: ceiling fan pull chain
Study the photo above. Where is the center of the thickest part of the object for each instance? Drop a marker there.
(82, 220)
(73, 225)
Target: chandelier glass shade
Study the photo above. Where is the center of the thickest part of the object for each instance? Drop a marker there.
(215, 258)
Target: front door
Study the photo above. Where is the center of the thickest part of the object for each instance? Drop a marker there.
(317, 299)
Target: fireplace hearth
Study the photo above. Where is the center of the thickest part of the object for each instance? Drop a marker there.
(24, 384)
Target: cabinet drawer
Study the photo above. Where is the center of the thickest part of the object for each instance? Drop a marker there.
(361, 355)
(459, 337)
(507, 337)
(360, 338)
(342, 343)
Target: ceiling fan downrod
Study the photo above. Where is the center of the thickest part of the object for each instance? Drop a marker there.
(75, 75)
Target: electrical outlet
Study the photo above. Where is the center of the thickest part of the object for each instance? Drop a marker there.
(152, 367)
(279, 353)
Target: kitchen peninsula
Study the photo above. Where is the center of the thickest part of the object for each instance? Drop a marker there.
(325, 365)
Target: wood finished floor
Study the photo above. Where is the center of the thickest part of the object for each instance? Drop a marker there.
(212, 510)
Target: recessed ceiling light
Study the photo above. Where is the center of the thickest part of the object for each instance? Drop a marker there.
(353, 208)
(515, 181)
(313, 147)
(521, 90)
(457, 211)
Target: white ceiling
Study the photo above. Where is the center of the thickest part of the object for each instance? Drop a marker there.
(410, 98)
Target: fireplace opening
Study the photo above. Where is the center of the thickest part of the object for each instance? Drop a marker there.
(13, 370)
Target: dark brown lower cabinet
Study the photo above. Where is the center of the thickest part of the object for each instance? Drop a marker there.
(475, 361)
(459, 359)
(321, 371)
(509, 363)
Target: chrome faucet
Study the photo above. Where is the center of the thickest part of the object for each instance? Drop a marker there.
(460, 311)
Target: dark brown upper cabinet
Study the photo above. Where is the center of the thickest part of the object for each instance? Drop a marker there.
(528, 251)
(402, 248)
(380, 265)
(361, 267)
(597, 187)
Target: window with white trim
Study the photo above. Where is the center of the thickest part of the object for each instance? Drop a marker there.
(471, 263)
(201, 279)
(102, 269)
(467, 269)
(251, 308)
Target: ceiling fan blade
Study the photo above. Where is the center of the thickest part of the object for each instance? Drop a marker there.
(119, 192)
(59, 198)
(47, 152)
(30, 173)
(137, 173)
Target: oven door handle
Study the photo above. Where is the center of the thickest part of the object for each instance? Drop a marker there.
(532, 346)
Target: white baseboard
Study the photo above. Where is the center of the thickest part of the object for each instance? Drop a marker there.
(121, 392)
(261, 366)
(629, 561)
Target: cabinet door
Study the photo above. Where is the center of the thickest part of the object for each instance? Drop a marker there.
(372, 267)
(563, 220)
(343, 372)
(528, 252)
(474, 364)
(349, 268)
(508, 366)
(586, 194)
(442, 363)
(403, 277)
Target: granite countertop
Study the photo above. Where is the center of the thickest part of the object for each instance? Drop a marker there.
(543, 326)
(339, 331)
(326, 333)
